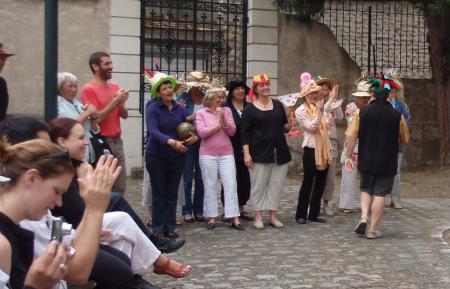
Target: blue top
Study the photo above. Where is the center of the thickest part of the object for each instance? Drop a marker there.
(403, 108)
(162, 125)
(189, 103)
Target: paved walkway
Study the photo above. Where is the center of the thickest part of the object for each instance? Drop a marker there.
(411, 254)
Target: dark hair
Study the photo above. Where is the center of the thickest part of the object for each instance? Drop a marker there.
(96, 58)
(235, 84)
(48, 158)
(61, 127)
(165, 82)
(20, 129)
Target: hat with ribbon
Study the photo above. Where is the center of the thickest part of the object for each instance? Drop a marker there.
(258, 79)
(3, 52)
(307, 85)
(362, 89)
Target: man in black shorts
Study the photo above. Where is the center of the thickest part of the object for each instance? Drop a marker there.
(379, 128)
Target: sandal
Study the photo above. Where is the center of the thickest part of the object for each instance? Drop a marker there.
(175, 273)
(246, 216)
(188, 218)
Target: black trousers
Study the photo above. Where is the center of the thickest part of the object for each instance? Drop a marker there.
(312, 187)
(112, 269)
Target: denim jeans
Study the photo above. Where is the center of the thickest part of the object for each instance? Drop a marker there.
(165, 174)
(192, 170)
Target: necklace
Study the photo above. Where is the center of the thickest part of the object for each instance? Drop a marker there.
(264, 105)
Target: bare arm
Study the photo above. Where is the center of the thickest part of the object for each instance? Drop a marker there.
(95, 187)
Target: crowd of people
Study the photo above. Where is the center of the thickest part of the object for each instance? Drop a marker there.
(204, 140)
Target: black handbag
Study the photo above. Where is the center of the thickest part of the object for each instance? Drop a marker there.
(100, 145)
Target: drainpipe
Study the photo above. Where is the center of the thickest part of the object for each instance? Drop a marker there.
(51, 58)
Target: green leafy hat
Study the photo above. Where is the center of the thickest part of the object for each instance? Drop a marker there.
(158, 79)
(382, 84)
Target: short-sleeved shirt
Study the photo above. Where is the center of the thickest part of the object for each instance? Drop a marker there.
(100, 96)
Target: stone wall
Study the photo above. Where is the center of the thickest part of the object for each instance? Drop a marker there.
(84, 27)
(312, 47)
(399, 33)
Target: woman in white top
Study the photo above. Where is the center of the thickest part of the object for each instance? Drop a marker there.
(316, 150)
(70, 107)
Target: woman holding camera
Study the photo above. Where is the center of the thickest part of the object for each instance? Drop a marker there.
(39, 171)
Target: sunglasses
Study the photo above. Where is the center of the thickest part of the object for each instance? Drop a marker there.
(64, 154)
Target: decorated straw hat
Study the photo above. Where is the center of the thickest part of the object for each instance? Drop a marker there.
(307, 84)
(3, 52)
(159, 78)
(197, 79)
(325, 80)
(362, 89)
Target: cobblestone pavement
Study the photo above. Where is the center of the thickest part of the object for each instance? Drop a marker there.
(411, 255)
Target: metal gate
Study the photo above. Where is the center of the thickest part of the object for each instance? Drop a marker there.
(179, 36)
(185, 35)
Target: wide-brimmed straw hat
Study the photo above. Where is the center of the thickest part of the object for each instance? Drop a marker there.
(307, 84)
(3, 52)
(326, 80)
(362, 89)
(197, 79)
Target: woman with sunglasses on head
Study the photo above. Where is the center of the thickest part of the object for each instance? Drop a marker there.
(41, 171)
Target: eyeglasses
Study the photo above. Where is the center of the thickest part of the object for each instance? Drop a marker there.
(55, 155)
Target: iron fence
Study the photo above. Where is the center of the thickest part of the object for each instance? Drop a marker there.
(381, 34)
(182, 36)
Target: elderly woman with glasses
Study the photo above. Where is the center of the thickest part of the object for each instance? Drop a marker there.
(70, 107)
(215, 126)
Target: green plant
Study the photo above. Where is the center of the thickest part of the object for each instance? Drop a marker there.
(303, 9)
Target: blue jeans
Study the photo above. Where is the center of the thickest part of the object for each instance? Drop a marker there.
(192, 169)
(165, 174)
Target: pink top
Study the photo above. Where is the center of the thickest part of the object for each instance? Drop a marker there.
(218, 143)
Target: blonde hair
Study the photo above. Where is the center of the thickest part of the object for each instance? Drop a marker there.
(34, 154)
(212, 93)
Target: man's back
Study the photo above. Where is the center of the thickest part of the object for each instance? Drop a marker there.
(378, 138)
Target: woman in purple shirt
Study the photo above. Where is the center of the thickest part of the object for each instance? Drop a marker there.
(165, 153)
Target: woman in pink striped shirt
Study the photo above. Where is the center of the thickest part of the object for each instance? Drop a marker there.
(215, 125)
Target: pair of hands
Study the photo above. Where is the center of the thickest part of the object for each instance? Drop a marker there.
(91, 111)
(180, 146)
(121, 96)
(333, 103)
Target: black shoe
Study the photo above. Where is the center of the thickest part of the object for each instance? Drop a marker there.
(301, 221)
(238, 227)
(211, 226)
(317, 220)
(141, 283)
(171, 235)
(167, 245)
